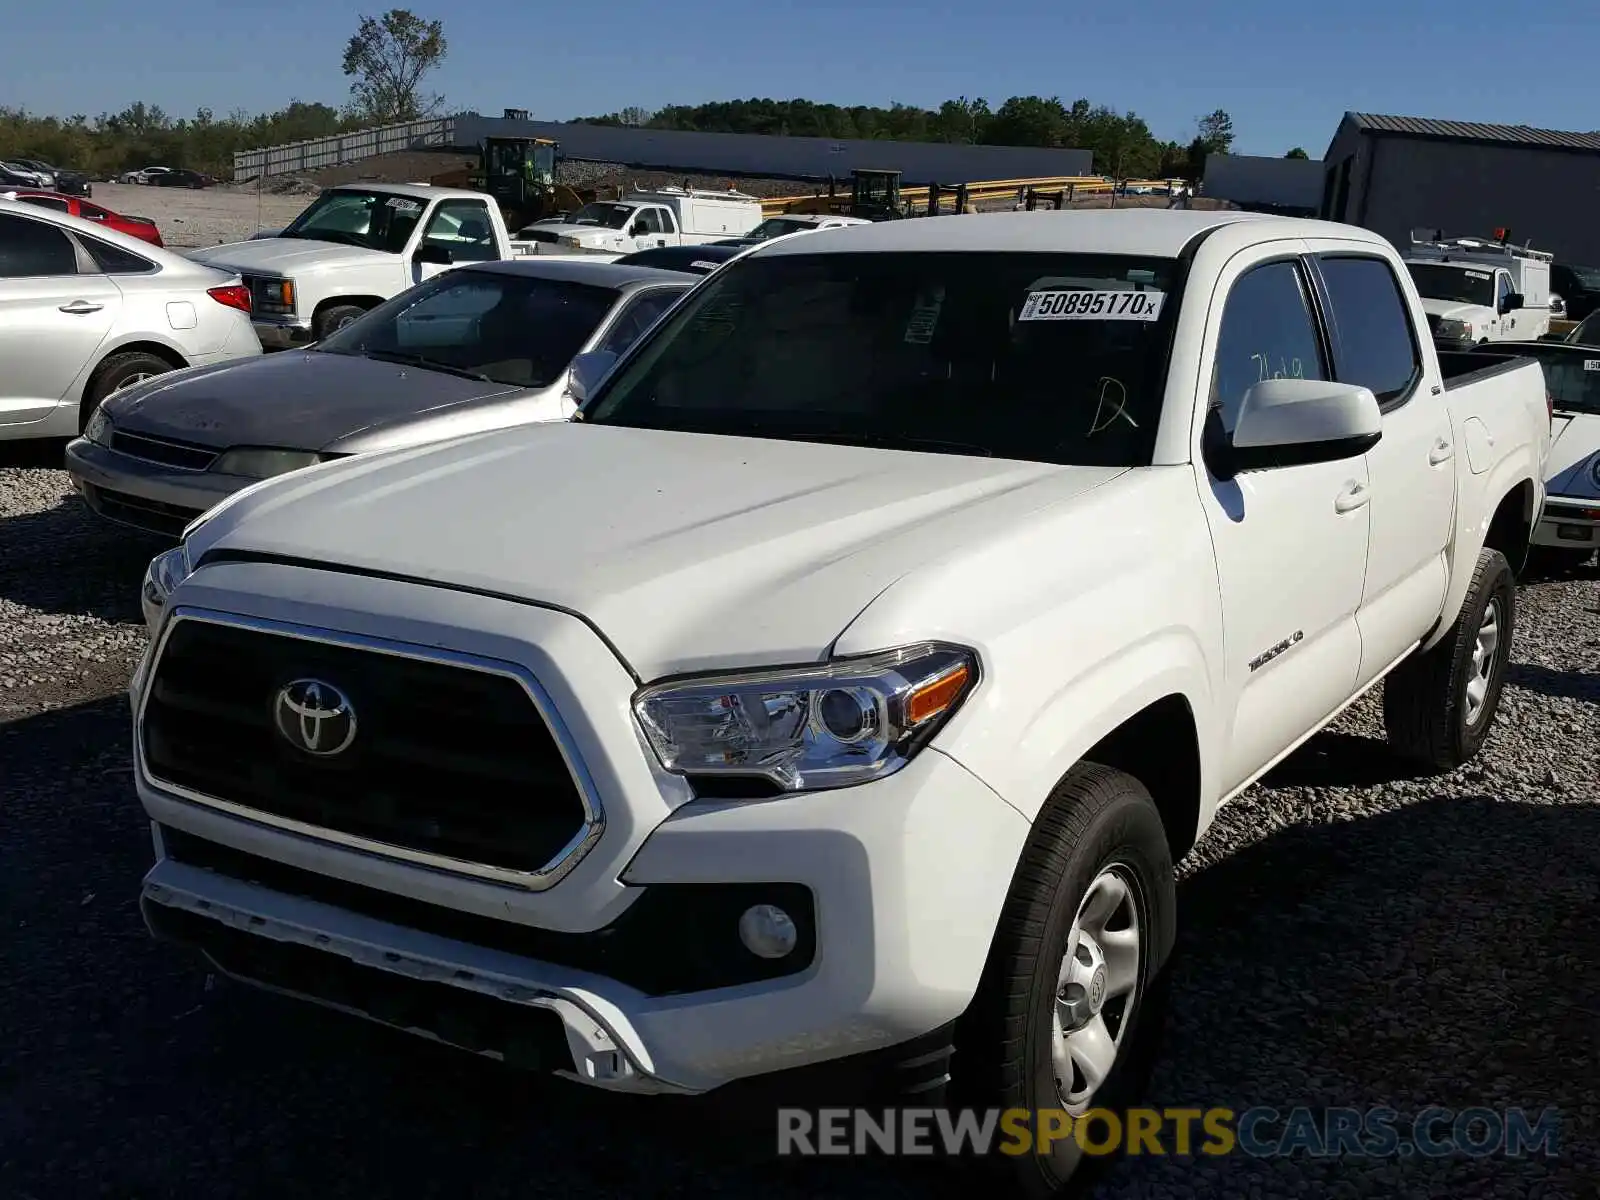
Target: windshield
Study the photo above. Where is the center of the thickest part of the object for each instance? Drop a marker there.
(1588, 331)
(1571, 376)
(1464, 285)
(1053, 358)
(373, 220)
(513, 329)
(612, 216)
(778, 226)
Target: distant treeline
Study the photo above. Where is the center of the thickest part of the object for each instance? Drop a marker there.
(143, 135)
(1122, 143)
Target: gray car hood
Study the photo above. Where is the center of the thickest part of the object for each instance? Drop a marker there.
(296, 400)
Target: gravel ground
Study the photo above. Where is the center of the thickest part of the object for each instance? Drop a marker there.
(1350, 937)
(189, 219)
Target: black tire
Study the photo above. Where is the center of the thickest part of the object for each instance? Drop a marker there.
(1426, 709)
(117, 371)
(1096, 819)
(334, 317)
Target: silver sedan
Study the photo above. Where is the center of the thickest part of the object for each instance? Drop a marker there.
(85, 311)
(477, 348)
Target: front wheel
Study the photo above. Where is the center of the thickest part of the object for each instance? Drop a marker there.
(1438, 706)
(117, 372)
(1072, 1005)
(336, 317)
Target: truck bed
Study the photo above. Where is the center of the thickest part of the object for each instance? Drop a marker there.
(1461, 367)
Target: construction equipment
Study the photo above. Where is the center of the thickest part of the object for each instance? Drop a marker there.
(520, 173)
(875, 195)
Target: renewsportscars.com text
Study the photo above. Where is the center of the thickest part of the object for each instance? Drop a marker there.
(1180, 1132)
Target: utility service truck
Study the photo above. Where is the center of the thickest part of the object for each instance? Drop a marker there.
(1480, 290)
(644, 220)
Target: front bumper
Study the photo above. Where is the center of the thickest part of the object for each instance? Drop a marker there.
(282, 333)
(144, 495)
(908, 875)
(1569, 523)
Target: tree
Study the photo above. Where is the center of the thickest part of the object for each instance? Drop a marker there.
(387, 59)
(1297, 152)
(1028, 121)
(634, 115)
(1216, 131)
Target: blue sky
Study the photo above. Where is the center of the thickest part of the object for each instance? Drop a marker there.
(1286, 79)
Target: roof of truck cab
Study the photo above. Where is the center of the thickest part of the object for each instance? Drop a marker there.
(579, 268)
(415, 191)
(1153, 233)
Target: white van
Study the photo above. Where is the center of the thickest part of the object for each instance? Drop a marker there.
(1479, 290)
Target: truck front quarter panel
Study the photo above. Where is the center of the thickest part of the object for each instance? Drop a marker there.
(1082, 617)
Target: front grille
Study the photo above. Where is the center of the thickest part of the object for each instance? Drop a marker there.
(165, 451)
(447, 761)
(540, 235)
(154, 515)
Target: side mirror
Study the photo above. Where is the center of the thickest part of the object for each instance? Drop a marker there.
(433, 253)
(586, 372)
(1292, 422)
(1511, 302)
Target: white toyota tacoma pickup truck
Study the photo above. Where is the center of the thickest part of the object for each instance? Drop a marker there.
(354, 247)
(920, 593)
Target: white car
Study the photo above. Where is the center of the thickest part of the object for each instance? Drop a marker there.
(848, 680)
(85, 310)
(142, 176)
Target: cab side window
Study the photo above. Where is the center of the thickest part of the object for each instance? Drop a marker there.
(463, 228)
(1268, 332)
(1503, 290)
(1374, 344)
(648, 221)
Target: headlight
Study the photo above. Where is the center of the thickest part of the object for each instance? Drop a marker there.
(276, 293)
(161, 578)
(260, 462)
(805, 728)
(1453, 328)
(1594, 470)
(97, 428)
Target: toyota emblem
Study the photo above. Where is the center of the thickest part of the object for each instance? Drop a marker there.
(315, 717)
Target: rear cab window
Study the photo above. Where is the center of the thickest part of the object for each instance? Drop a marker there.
(1057, 358)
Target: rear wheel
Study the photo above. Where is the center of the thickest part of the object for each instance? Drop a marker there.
(1071, 1008)
(1438, 706)
(336, 317)
(119, 371)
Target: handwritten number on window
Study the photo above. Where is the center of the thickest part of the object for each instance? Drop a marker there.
(1291, 368)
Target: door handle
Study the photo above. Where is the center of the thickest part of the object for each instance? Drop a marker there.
(81, 307)
(1354, 496)
(1442, 452)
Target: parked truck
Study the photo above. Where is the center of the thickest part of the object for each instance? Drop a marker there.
(354, 247)
(644, 220)
(928, 587)
(1481, 290)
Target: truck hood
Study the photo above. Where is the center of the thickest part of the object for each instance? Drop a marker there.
(285, 256)
(1574, 448)
(1454, 310)
(297, 400)
(687, 552)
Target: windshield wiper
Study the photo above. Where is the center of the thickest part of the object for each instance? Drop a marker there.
(427, 364)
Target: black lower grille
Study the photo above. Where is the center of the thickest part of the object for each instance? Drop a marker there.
(154, 515)
(162, 450)
(532, 1038)
(445, 760)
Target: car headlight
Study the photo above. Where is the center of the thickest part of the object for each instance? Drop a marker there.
(161, 578)
(1594, 470)
(262, 462)
(97, 428)
(806, 728)
(276, 293)
(1449, 327)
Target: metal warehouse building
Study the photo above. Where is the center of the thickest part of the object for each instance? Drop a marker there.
(1396, 174)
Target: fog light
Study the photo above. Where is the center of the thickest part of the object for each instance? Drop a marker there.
(767, 931)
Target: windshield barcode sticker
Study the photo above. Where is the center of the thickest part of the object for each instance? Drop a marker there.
(1085, 305)
(1591, 364)
(1478, 275)
(401, 204)
(925, 316)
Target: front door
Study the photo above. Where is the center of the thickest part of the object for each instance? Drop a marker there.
(1290, 542)
(52, 318)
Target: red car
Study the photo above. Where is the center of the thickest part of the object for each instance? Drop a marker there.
(140, 227)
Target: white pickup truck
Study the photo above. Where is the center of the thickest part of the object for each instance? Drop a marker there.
(927, 589)
(353, 247)
(644, 220)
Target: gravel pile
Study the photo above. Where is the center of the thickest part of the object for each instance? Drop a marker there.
(1350, 937)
